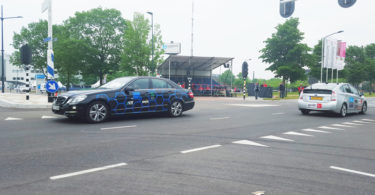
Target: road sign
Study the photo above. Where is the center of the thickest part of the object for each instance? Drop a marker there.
(346, 3)
(286, 8)
(52, 86)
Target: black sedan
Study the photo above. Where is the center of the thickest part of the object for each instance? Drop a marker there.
(126, 95)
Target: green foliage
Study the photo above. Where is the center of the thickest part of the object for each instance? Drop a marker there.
(102, 31)
(33, 34)
(226, 77)
(70, 56)
(285, 53)
(137, 49)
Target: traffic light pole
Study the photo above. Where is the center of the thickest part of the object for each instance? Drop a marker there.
(244, 88)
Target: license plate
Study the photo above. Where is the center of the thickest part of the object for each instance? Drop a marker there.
(311, 105)
(55, 107)
(316, 98)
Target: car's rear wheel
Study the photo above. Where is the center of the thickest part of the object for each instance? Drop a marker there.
(344, 110)
(175, 109)
(97, 112)
(305, 112)
(364, 108)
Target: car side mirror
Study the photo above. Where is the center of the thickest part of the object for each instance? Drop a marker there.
(128, 89)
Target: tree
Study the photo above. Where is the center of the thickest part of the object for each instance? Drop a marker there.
(102, 31)
(285, 52)
(227, 77)
(355, 69)
(33, 34)
(370, 63)
(136, 54)
(70, 56)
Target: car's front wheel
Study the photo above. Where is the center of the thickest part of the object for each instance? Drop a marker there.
(343, 110)
(97, 112)
(364, 108)
(175, 109)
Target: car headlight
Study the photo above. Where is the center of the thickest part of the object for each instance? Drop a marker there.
(77, 99)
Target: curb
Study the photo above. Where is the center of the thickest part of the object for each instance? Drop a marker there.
(7, 104)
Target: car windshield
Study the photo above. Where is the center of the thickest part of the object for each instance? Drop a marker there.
(117, 83)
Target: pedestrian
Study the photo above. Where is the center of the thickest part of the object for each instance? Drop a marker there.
(300, 89)
(183, 85)
(256, 90)
(265, 85)
(282, 90)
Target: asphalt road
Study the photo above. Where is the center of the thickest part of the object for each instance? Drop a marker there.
(220, 147)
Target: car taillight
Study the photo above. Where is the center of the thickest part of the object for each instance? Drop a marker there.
(333, 96)
(191, 95)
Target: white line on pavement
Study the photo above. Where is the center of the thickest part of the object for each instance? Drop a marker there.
(331, 128)
(298, 134)
(253, 105)
(122, 127)
(352, 171)
(314, 130)
(278, 113)
(199, 149)
(220, 118)
(13, 119)
(48, 117)
(348, 123)
(87, 171)
(364, 122)
(247, 142)
(276, 138)
(340, 125)
(365, 119)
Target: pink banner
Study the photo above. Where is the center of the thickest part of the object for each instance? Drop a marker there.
(343, 49)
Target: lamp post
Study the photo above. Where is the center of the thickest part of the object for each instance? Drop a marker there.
(322, 58)
(152, 34)
(2, 48)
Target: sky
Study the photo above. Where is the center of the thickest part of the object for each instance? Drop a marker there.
(222, 28)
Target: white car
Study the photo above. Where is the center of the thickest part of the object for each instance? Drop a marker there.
(339, 98)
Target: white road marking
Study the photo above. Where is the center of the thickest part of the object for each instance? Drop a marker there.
(352, 171)
(48, 117)
(199, 149)
(278, 113)
(220, 118)
(365, 119)
(348, 123)
(298, 134)
(277, 138)
(259, 193)
(314, 130)
(340, 125)
(13, 119)
(331, 128)
(86, 171)
(364, 122)
(247, 142)
(253, 105)
(121, 127)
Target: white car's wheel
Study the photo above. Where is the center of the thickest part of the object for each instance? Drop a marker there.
(344, 110)
(364, 108)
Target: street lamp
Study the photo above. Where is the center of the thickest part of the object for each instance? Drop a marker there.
(152, 34)
(322, 58)
(2, 48)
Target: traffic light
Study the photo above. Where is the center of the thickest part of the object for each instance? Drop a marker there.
(286, 8)
(346, 3)
(245, 70)
(25, 54)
